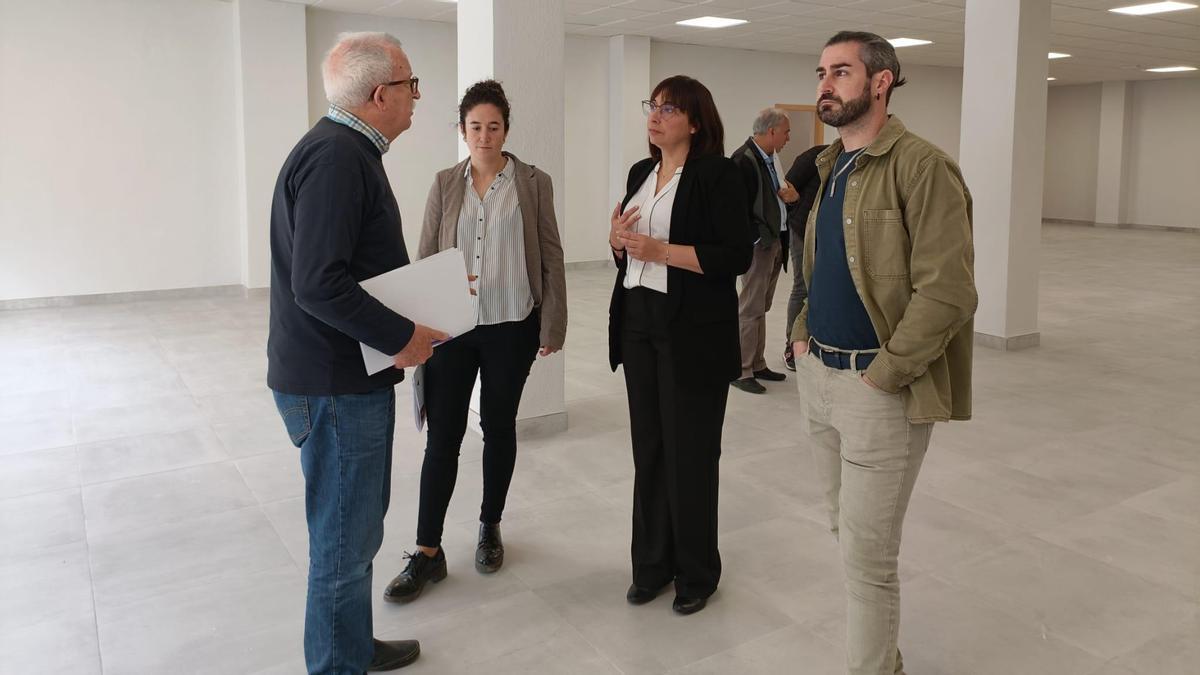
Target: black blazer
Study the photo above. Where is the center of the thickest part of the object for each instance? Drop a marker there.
(761, 199)
(709, 213)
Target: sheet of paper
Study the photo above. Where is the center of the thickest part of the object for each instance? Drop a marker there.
(433, 292)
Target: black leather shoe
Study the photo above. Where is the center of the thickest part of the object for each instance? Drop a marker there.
(687, 606)
(421, 569)
(749, 385)
(636, 595)
(489, 554)
(769, 375)
(394, 654)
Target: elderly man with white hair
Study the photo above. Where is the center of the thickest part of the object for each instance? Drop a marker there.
(769, 195)
(334, 223)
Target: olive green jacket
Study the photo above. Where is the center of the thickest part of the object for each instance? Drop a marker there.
(907, 223)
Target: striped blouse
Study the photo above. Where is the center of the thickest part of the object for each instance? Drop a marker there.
(491, 235)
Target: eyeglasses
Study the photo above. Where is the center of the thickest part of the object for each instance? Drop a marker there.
(412, 82)
(665, 110)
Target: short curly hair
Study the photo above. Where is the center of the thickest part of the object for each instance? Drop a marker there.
(485, 91)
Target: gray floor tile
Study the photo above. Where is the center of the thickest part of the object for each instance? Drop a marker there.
(133, 504)
(52, 584)
(240, 624)
(141, 565)
(36, 432)
(273, 476)
(1089, 442)
(651, 638)
(1045, 585)
(32, 523)
(519, 633)
(157, 416)
(38, 471)
(1154, 548)
(153, 453)
(67, 644)
(948, 631)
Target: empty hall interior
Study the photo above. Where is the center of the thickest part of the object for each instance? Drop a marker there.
(152, 505)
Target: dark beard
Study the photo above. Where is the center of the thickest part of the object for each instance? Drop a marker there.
(850, 111)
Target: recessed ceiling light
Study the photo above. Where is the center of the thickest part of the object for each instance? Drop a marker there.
(909, 42)
(1058, 55)
(711, 22)
(1051, 79)
(1171, 69)
(1153, 8)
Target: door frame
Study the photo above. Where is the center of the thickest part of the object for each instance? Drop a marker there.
(818, 125)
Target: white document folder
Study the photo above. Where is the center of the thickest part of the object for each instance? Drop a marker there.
(433, 292)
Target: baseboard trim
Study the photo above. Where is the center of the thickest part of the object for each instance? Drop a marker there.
(1122, 226)
(224, 291)
(1008, 344)
(591, 265)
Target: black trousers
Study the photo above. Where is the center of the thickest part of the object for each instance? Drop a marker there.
(501, 355)
(676, 432)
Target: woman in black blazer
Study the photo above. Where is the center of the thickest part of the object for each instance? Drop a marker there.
(680, 239)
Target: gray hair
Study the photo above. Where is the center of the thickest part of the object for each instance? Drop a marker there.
(356, 65)
(876, 53)
(768, 119)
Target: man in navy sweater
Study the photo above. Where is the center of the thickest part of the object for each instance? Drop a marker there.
(334, 223)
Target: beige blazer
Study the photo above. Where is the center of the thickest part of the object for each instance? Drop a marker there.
(543, 247)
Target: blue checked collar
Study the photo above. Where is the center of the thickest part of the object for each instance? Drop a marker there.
(343, 116)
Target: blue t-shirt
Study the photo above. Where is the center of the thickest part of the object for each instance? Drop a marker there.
(836, 315)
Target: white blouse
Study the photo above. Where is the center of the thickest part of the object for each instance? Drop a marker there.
(491, 234)
(655, 221)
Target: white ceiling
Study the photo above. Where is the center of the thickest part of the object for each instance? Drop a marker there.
(1103, 45)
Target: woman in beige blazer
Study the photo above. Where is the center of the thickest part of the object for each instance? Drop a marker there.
(500, 212)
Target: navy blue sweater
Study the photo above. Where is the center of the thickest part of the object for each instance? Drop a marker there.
(334, 223)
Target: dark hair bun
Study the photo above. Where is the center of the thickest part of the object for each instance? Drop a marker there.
(486, 91)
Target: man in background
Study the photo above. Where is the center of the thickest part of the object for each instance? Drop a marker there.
(768, 194)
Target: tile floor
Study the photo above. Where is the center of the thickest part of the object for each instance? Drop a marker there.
(152, 520)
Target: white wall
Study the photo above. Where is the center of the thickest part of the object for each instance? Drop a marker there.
(1163, 159)
(137, 187)
(1072, 129)
(585, 228)
(1162, 153)
(118, 171)
(270, 113)
(430, 145)
(931, 104)
(744, 82)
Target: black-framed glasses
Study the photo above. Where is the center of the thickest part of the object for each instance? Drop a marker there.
(666, 109)
(412, 82)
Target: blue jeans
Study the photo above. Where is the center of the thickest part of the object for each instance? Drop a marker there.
(346, 452)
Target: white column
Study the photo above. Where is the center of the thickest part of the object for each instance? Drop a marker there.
(1002, 157)
(1110, 156)
(272, 114)
(520, 43)
(628, 85)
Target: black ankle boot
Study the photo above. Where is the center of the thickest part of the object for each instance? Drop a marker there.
(489, 555)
